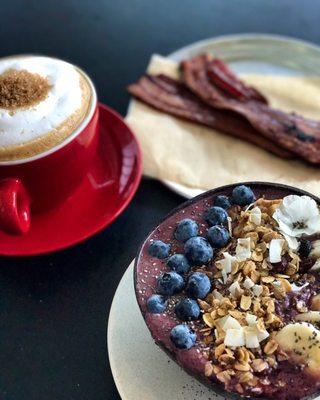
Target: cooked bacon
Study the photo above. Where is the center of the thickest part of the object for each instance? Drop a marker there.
(227, 81)
(172, 97)
(290, 131)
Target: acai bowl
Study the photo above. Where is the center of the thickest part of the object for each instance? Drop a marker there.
(229, 286)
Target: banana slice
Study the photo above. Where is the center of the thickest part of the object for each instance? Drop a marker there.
(301, 341)
(310, 316)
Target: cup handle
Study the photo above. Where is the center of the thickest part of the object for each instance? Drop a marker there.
(14, 207)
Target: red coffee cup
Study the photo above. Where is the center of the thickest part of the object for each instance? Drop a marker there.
(41, 182)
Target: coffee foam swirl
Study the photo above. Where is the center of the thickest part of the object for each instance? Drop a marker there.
(63, 100)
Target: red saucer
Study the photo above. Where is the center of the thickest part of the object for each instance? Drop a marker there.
(104, 193)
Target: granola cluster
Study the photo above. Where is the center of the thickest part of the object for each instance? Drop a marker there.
(244, 300)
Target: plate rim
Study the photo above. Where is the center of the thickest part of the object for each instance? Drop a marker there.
(237, 36)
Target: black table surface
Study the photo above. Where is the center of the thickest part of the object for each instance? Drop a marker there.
(54, 308)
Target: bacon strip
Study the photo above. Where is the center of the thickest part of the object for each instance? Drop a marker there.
(226, 80)
(292, 132)
(172, 97)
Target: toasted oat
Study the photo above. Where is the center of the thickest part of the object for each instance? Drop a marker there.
(208, 320)
(242, 366)
(219, 350)
(270, 347)
(208, 369)
(239, 388)
(271, 360)
(245, 303)
(245, 377)
(226, 358)
(255, 276)
(224, 376)
(248, 267)
(267, 279)
(286, 286)
(204, 305)
(243, 355)
(259, 365)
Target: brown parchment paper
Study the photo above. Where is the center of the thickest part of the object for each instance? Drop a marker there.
(200, 157)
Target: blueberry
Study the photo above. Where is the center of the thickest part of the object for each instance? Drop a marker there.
(159, 249)
(156, 304)
(169, 283)
(243, 195)
(198, 285)
(218, 236)
(183, 337)
(187, 310)
(305, 248)
(222, 201)
(198, 250)
(179, 263)
(186, 229)
(216, 216)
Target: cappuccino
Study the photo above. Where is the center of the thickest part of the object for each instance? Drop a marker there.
(43, 101)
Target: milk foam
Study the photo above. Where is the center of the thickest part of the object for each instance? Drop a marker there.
(63, 100)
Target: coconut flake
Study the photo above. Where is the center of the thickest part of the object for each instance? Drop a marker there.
(248, 283)
(251, 319)
(243, 249)
(251, 337)
(221, 321)
(226, 265)
(224, 276)
(296, 288)
(234, 338)
(255, 216)
(226, 262)
(275, 250)
(257, 290)
(262, 335)
(230, 323)
(234, 287)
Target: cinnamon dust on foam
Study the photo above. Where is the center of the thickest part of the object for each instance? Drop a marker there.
(22, 89)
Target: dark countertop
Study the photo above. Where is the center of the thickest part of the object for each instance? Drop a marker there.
(54, 309)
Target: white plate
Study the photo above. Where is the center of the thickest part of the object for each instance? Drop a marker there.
(253, 53)
(140, 369)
